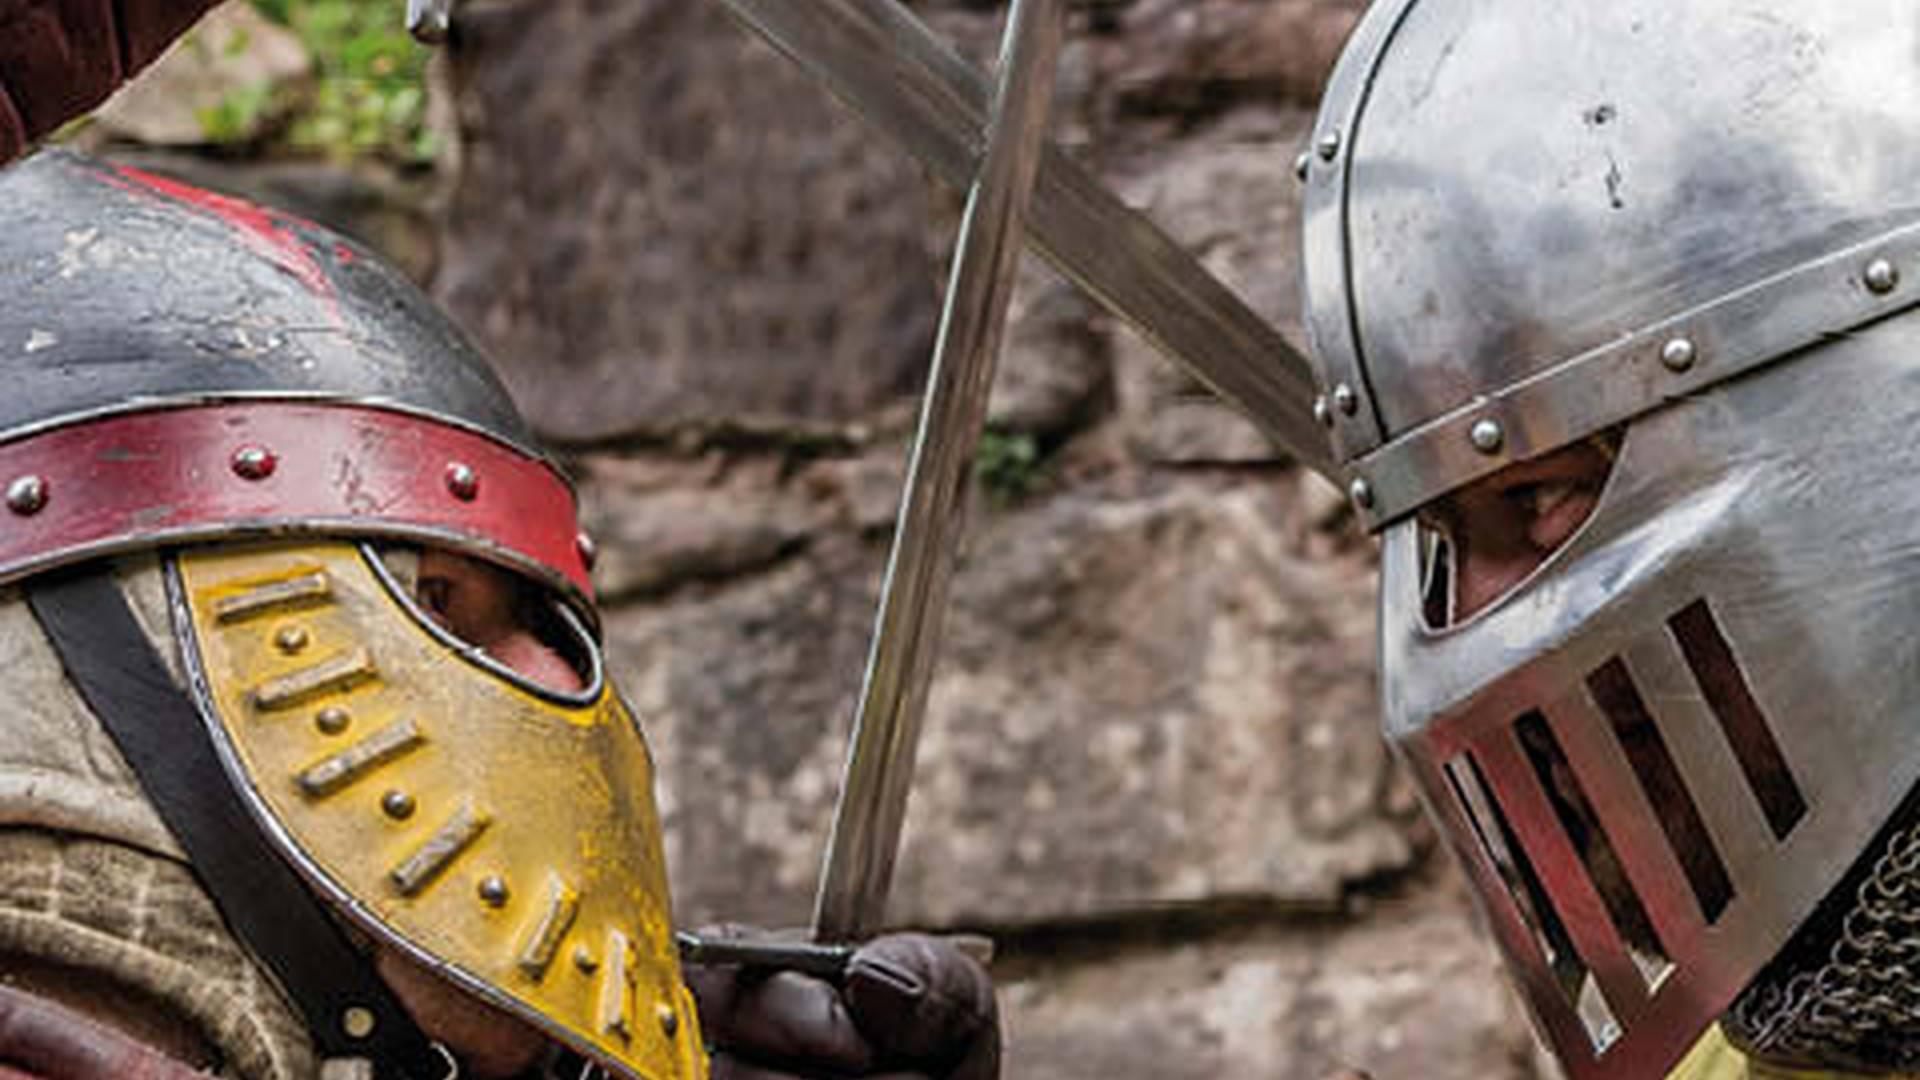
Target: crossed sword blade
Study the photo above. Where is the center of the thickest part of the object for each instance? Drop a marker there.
(889, 67)
(879, 59)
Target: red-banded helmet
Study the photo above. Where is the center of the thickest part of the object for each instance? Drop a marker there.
(270, 418)
(297, 382)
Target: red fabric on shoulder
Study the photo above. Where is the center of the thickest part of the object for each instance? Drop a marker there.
(56, 1043)
(147, 27)
(58, 58)
(13, 137)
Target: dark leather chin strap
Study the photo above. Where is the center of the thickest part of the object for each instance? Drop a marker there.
(164, 738)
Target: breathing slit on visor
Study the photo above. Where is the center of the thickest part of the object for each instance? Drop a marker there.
(1556, 851)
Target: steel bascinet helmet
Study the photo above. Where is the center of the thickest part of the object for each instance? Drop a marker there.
(263, 401)
(1692, 229)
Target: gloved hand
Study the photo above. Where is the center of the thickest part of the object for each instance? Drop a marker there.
(911, 1008)
(59, 58)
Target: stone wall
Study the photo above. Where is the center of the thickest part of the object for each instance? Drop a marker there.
(1150, 765)
(1150, 768)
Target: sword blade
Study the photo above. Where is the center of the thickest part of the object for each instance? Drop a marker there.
(879, 775)
(885, 64)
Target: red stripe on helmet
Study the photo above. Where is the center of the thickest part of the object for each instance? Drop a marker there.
(136, 479)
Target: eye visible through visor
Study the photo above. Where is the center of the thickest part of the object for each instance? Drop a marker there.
(509, 622)
(1478, 544)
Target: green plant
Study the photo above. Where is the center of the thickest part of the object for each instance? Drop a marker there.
(232, 119)
(369, 97)
(1007, 464)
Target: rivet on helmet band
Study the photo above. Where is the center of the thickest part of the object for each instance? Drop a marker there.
(254, 462)
(1323, 411)
(462, 481)
(1488, 436)
(1345, 399)
(27, 495)
(1361, 493)
(1678, 354)
(1882, 277)
(1329, 145)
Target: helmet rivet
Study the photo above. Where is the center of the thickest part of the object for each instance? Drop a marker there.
(1345, 399)
(1679, 354)
(254, 462)
(27, 495)
(1323, 411)
(332, 720)
(1882, 276)
(583, 959)
(669, 1020)
(589, 551)
(1488, 436)
(463, 481)
(397, 805)
(1361, 492)
(493, 890)
(1329, 145)
(1303, 166)
(291, 639)
(357, 1022)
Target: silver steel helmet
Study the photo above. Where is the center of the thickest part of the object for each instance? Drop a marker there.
(1693, 227)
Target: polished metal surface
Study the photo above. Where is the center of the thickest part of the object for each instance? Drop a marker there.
(430, 21)
(1497, 239)
(27, 495)
(1792, 534)
(910, 85)
(1692, 226)
(886, 732)
(133, 291)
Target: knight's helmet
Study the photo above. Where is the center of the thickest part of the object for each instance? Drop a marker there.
(259, 405)
(1692, 230)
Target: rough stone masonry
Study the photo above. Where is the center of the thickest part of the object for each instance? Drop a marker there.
(1150, 767)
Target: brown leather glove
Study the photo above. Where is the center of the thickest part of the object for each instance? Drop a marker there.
(59, 58)
(911, 1008)
(45, 1041)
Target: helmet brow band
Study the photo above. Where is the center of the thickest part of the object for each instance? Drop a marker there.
(1690, 352)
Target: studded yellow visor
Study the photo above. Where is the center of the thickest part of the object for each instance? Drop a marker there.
(502, 833)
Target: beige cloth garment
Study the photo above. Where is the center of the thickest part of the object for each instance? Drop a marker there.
(89, 878)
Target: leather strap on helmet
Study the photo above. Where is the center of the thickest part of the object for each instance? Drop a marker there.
(349, 1011)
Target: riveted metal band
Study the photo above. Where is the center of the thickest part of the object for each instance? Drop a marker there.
(136, 479)
(1743, 330)
(1354, 422)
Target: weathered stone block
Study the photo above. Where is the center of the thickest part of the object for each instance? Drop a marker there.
(1142, 703)
(661, 223)
(1411, 991)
